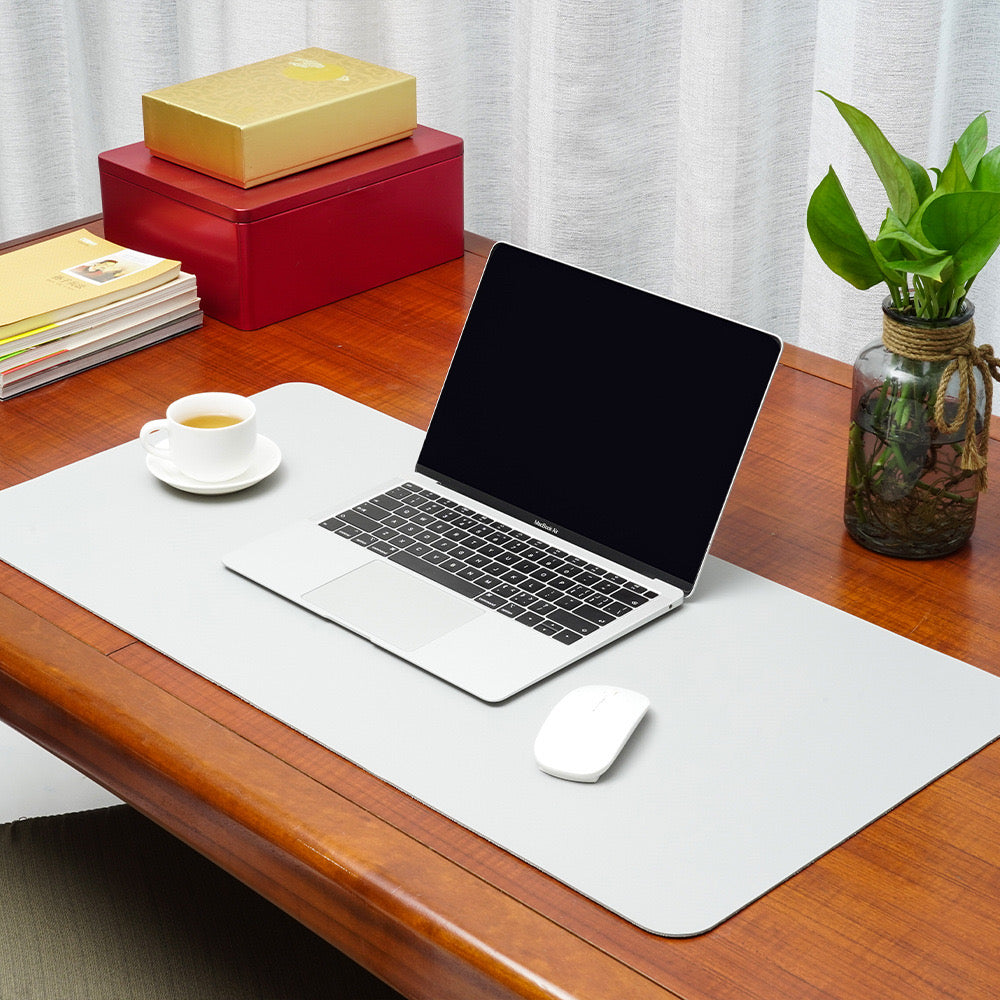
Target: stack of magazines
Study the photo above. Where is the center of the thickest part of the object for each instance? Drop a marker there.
(77, 300)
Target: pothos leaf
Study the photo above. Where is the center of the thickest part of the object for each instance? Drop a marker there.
(920, 178)
(954, 177)
(889, 165)
(987, 175)
(972, 144)
(891, 273)
(893, 232)
(838, 236)
(967, 225)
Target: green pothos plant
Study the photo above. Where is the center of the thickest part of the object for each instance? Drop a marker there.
(936, 236)
(911, 464)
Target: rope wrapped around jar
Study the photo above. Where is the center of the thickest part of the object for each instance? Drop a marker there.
(956, 346)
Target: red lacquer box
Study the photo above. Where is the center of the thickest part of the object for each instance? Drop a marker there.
(266, 253)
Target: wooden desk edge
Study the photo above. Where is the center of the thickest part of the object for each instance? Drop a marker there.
(410, 915)
(811, 363)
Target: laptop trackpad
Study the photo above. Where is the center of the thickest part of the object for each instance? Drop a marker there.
(389, 605)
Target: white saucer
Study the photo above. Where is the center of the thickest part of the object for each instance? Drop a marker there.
(267, 457)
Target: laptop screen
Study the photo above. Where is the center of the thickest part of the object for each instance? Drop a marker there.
(601, 413)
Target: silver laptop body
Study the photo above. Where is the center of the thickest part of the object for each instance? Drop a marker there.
(573, 474)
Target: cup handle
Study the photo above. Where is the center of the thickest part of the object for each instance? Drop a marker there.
(161, 450)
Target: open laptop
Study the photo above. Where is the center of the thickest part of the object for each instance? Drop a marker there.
(577, 463)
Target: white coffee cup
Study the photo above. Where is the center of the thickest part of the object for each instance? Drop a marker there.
(209, 436)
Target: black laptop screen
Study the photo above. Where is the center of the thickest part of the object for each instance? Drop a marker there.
(614, 417)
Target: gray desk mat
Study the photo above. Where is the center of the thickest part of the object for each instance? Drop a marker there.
(779, 726)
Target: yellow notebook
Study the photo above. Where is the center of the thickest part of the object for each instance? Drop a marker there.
(71, 274)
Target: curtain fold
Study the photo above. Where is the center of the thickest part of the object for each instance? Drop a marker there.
(672, 144)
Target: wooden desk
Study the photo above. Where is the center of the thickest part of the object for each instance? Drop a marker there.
(909, 908)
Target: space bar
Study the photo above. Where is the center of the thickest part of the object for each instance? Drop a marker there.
(435, 573)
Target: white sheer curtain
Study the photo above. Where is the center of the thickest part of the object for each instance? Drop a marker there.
(669, 143)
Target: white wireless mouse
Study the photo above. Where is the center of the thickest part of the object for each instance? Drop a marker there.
(585, 732)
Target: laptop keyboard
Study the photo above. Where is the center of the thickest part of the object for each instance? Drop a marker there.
(535, 583)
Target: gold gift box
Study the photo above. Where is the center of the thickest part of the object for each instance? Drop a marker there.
(269, 119)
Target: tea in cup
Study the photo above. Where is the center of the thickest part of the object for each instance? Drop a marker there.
(209, 436)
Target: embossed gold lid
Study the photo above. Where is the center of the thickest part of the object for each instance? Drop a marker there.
(265, 120)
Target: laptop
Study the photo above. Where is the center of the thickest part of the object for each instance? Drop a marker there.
(575, 468)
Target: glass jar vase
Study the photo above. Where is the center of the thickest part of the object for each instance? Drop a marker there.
(919, 426)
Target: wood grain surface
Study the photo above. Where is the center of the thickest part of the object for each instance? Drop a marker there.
(908, 908)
